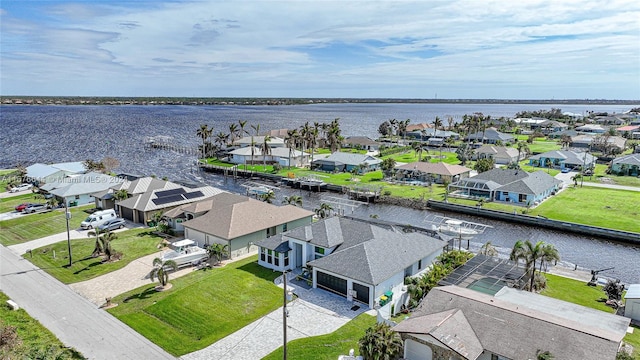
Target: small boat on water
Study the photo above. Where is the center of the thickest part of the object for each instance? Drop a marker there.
(452, 228)
(185, 252)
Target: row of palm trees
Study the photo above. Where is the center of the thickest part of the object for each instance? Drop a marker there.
(307, 137)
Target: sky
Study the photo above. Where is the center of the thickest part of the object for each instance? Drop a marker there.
(450, 49)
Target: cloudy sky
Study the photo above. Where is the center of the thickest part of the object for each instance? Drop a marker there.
(557, 49)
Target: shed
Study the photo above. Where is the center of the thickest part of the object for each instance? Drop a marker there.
(632, 302)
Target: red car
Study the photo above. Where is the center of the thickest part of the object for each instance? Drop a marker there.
(21, 207)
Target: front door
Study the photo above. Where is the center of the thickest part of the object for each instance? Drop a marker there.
(299, 255)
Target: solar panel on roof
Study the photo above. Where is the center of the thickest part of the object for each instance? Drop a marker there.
(193, 195)
(170, 192)
(168, 199)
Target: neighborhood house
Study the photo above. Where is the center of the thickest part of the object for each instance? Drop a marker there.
(347, 162)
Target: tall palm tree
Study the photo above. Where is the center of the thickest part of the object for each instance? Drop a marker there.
(268, 197)
(334, 137)
(204, 132)
(103, 242)
(218, 251)
(98, 248)
(488, 249)
(161, 270)
(295, 200)
(380, 342)
(530, 253)
(323, 211)
(290, 141)
(233, 132)
(221, 139)
(522, 148)
(437, 123)
(266, 151)
(548, 163)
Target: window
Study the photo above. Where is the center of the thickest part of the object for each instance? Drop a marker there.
(269, 256)
(420, 264)
(263, 254)
(77, 197)
(284, 227)
(276, 259)
(286, 258)
(319, 252)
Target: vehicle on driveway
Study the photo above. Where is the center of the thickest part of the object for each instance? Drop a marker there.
(565, 170)
(112, 224)
(98, 218)
(21, 207)
(21, 187)
(35, 208)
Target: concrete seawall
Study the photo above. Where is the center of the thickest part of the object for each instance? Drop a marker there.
(617, 235)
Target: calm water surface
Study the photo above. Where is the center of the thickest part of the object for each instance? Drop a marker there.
(72, 133)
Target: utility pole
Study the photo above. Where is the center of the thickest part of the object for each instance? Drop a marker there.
(284, 314)
(67, 215)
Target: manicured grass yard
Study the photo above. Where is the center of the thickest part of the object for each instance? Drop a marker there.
(36, 341)
(329, 346)
(577, 292)
(35, 226)
(131, 243)
(202, 307)
(6, 175)
(9, 204)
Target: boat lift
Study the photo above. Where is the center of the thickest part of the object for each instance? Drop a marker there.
(257, 189)
(341, 204)
(450, 228)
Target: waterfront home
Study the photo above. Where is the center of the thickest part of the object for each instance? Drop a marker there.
(499, 154)
(418, 127)
(428, 172)
(629, 131)
(459, 323)
(591, 129)
(490, 136)
(549, 126)
(141, 207)
(258, 140)
(355, 259)
(346, 162)
(78, 189)
(279, 155)
(105, 199)
(239, 222)
(433, 134)
(509, 185)
(561, 133)
(632, 302)
(597, 142)
(40, 174)
(361, 142)
(626, 165)
(564, 159)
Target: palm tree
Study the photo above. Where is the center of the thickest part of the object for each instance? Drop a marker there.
(221, 139)
(323, 211)
(290, 140)
(380, 342)
(488, 249)
(266, 151)
(530, 254)
(416, 146)
(544, 355)
(218, 251)
(548, 163)
(161, 270)
(522, 148)
(103, 242)
(334, 138)
(295, 200)
(98, 249)
(268, 197)
(233, 131)
(204, 132)
(387, 166)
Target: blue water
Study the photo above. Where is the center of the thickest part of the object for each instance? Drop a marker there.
(74, 133)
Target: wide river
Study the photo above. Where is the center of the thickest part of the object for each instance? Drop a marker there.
(74, 133)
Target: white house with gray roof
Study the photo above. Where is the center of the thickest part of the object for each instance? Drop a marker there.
(490, 136)
(40, 174)
(564, 159)
(345, 162)
(79, 189)
(510, 185)
(626, 165)
(355, 259)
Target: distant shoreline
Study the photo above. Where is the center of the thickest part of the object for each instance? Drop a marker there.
(249, 101)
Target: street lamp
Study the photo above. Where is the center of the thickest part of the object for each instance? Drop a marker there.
(67, 215)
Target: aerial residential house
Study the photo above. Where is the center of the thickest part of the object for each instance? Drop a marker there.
(626, 165)
(561, 133)
(597, 142)
(279, 155)
(78, 189)
(140, 208)
(346, 162)
(139, 185)
(611, 119)
(463, 324)
(499, 154)
(361, 142)
(40, 174)
(591, 129)
(429, 172)
(352, 258)
(632, 302)
(550, 126)
(258, 140)
(629, 131)
(508, 185)
(419, 127)
(433, 134)
(490, 136)
(564, 159)
(240, 222)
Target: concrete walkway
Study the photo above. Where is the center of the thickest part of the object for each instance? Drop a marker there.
(73, 319)
(314, 312)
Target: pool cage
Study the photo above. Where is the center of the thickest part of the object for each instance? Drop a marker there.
(487, 274)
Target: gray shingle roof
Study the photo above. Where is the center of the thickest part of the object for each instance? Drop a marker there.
(536, 183)
(377, 254)
(276, 243)
(349, 159)
(490, 134)
(632, 159)
(568, 156)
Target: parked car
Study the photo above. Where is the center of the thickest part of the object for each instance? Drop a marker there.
(21, 187)
(21, 207)
(565, 170)
(112, 224)
(34, 207)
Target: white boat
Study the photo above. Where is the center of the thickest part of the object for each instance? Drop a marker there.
(454, 229)
(185, 252)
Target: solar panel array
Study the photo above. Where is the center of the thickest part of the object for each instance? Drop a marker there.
(193, 195)
(168, 199)
(174, 195)
(164, 193)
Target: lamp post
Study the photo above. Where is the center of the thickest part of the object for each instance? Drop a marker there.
(67, 216)
(284, 314)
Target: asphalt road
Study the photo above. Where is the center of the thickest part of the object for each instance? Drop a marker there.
(73, 319)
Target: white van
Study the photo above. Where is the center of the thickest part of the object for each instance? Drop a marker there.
(98, 218)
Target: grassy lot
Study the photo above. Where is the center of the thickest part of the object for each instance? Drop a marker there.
(36, 342)
(600, 175)
(35, 226)
(6, 176)
(575, 291)
(9, 204)
(132, 244)
(329, 346)
(202, 307)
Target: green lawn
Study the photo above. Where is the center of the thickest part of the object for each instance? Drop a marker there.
(132, 244)
(9, 204)
(35, 226)
(329, 346)
(36, 341)
(202, 307)
(6, 176)
(577, 292)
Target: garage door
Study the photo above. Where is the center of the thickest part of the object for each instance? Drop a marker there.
(362, 293)
(413, 350)
(332, 283)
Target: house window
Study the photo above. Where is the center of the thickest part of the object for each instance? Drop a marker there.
(269, 256)
(77, 197)
(420, 264)
(286, 258)
(276, 259)
(263, 254)
(284, 227)
(522, 197)
(319, 252)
